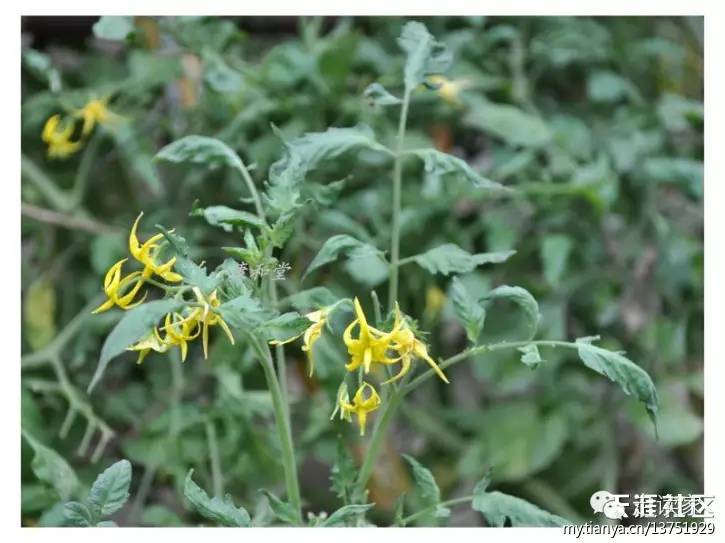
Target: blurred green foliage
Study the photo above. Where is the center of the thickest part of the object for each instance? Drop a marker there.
(596, 123)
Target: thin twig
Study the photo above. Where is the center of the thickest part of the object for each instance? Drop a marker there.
(57, 218)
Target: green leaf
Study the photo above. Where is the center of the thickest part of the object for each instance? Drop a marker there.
(282, 229)
(424, 482)
(523, 299)
(497, 507)
(135, 325)
(424, 55)
(684, 172)
(334, 247)
(113, 27)
(469, 312)
(438, 163)
(633, 380)
(315, 148)
(50, 467)
(530, 355)
(42, 66)
(509, 123)
(222, 511)
(555, 251)
(283, 188)
(343, 473)
(199, 150)
(245, 311)
(450, 258)
(346, 513)
(106, 524)
(324, 195)
(285, 326)
(377, 95)
(110, 489)
(312, 298)
(77, 515)
(282, 510)
(399, 509)
(226, 217)
(607, 86)
(195, 275)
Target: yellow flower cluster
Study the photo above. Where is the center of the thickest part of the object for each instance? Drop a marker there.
(178, 328)
(116, 287)
(59, 132)
(373, 346)
(181, 329)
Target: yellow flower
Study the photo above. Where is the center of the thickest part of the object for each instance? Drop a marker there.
(152, 342)
(145, 255)
(114, 286)
(449, 89)
(408, 347)
(57, 134)
(311, 335)
(179, 331)
(96, 112)
(206, 317)
(370, 345)
(361, 405)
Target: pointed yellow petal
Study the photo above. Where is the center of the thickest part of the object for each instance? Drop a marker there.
(134, 246)
(105, 306)
(226, 329)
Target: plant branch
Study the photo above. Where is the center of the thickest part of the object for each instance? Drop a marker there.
(397, 190)
(250, 186)
(289, 463)
(66, 221)
(45, 355)
(433, 508)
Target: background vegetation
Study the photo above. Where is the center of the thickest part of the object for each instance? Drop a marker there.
(597, 124)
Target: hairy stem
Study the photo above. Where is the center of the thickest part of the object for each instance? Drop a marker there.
(283, 427)
(397, 190)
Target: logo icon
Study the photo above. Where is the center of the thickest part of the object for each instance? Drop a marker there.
(609, 504)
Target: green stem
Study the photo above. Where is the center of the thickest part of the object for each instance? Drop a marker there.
(481, 349)
(55, 347)
(250, 186)
(216, 470)
(397, 190)
(283, 427)
(376, 441)
(84, 169)
(279, 352)
(428, 510)
(56, 197)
